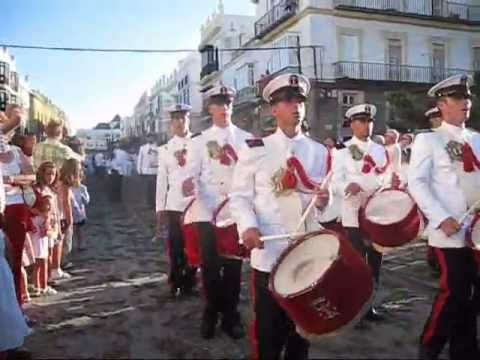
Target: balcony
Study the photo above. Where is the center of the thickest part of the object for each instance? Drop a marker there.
(245, 95)
(208, 69)
(279, 13)
(393, 73)
(433, 9)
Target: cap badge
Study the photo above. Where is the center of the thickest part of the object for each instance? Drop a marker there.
(293, 80)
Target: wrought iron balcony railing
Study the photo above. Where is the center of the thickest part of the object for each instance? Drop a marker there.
(246, 94)
(393, 73)
(449, 10)
(280, 12)
(208, 69)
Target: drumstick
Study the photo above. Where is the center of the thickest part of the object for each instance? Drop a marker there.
(280, 237)
(469, 211)
(313, 201)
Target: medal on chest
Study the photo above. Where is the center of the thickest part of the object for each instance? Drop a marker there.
(369, 163)
(225, 154)
(288, 178)
(463, 153)
(181, 156)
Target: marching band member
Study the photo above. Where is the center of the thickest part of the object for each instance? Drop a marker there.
(358, 171)
(147, 167)
(442, 163)
(171, 203)
(434, 118)
(274, 181)
(211, 163)
(393, 148)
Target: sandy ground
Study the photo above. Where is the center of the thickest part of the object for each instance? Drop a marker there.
(117, 303)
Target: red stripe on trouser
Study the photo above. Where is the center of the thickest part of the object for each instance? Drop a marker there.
(253, 325)
(439, 301)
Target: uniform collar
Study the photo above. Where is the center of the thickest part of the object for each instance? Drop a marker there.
(361, 144)
(454, 131)
(281, 135)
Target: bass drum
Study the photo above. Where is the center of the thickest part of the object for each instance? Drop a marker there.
(391, 219)
(322, 283)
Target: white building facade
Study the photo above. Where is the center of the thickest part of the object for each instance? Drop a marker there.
(352, 50)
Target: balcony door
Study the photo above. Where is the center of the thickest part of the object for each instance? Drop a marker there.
(438, 62)
(437, 7)
(350, 65)
(394, 60)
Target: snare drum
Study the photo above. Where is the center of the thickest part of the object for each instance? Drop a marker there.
(226, 234)
(322, 283)
(391, 218)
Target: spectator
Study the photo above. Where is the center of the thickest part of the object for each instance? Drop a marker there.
(80, 200)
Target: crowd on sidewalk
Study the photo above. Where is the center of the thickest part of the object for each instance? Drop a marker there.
(43, 206)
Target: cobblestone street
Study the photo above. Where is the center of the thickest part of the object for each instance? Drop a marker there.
(117, 303)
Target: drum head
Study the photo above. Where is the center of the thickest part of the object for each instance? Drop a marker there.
(305, 264)
(388, 207)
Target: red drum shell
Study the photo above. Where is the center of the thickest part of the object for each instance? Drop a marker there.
(191, 240)
(228, 245)
(346, 287)
(395, 234)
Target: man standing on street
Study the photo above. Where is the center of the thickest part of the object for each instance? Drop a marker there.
(52, 149)
(147, 167)
(444, 179)
(261, 206)
(172, 161)
(211, 163)
(358, 171)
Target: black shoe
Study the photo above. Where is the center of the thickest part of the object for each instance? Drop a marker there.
(209, 323)
(235, 331)
(425, 353)
(19, 354)
(373, 315)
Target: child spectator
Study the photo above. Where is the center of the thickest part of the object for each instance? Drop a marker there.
(80, 200)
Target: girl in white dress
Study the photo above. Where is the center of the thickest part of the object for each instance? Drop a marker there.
(13, 328)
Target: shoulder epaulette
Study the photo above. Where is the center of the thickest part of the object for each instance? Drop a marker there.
(340, 146)
(254, 142)
(423, 131)
(195, 135)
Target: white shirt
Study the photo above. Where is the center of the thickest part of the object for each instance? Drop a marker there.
(120, 161)
(347, 170)
(147, 159)
(171, 173)
(439, 185)
(253, 201)
(212, 179)
(99, 160)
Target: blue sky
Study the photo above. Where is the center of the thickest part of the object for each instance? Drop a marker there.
(93, 87)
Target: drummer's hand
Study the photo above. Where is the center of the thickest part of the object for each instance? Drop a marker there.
(353, 189)
(322, 198)
(251, 239)
(450, 226)
(188, 187)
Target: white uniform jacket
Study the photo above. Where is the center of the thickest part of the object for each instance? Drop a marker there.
(147, 159)
(348, 170)
(253, 201)
(172, 171)
(439, 185)
(211, 167)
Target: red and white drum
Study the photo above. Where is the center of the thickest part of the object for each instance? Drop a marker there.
(391, 218)
(191, 238)
(226, 234)
(322, 283)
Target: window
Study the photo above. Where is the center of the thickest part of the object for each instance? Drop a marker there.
(348, 99)
(3, 100)
(438, 62)
(4, 73)
(244, 76)
(394, 59)
(476, 58)
(349, 48)
(283, 58)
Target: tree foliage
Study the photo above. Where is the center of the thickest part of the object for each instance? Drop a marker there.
(409, 108)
